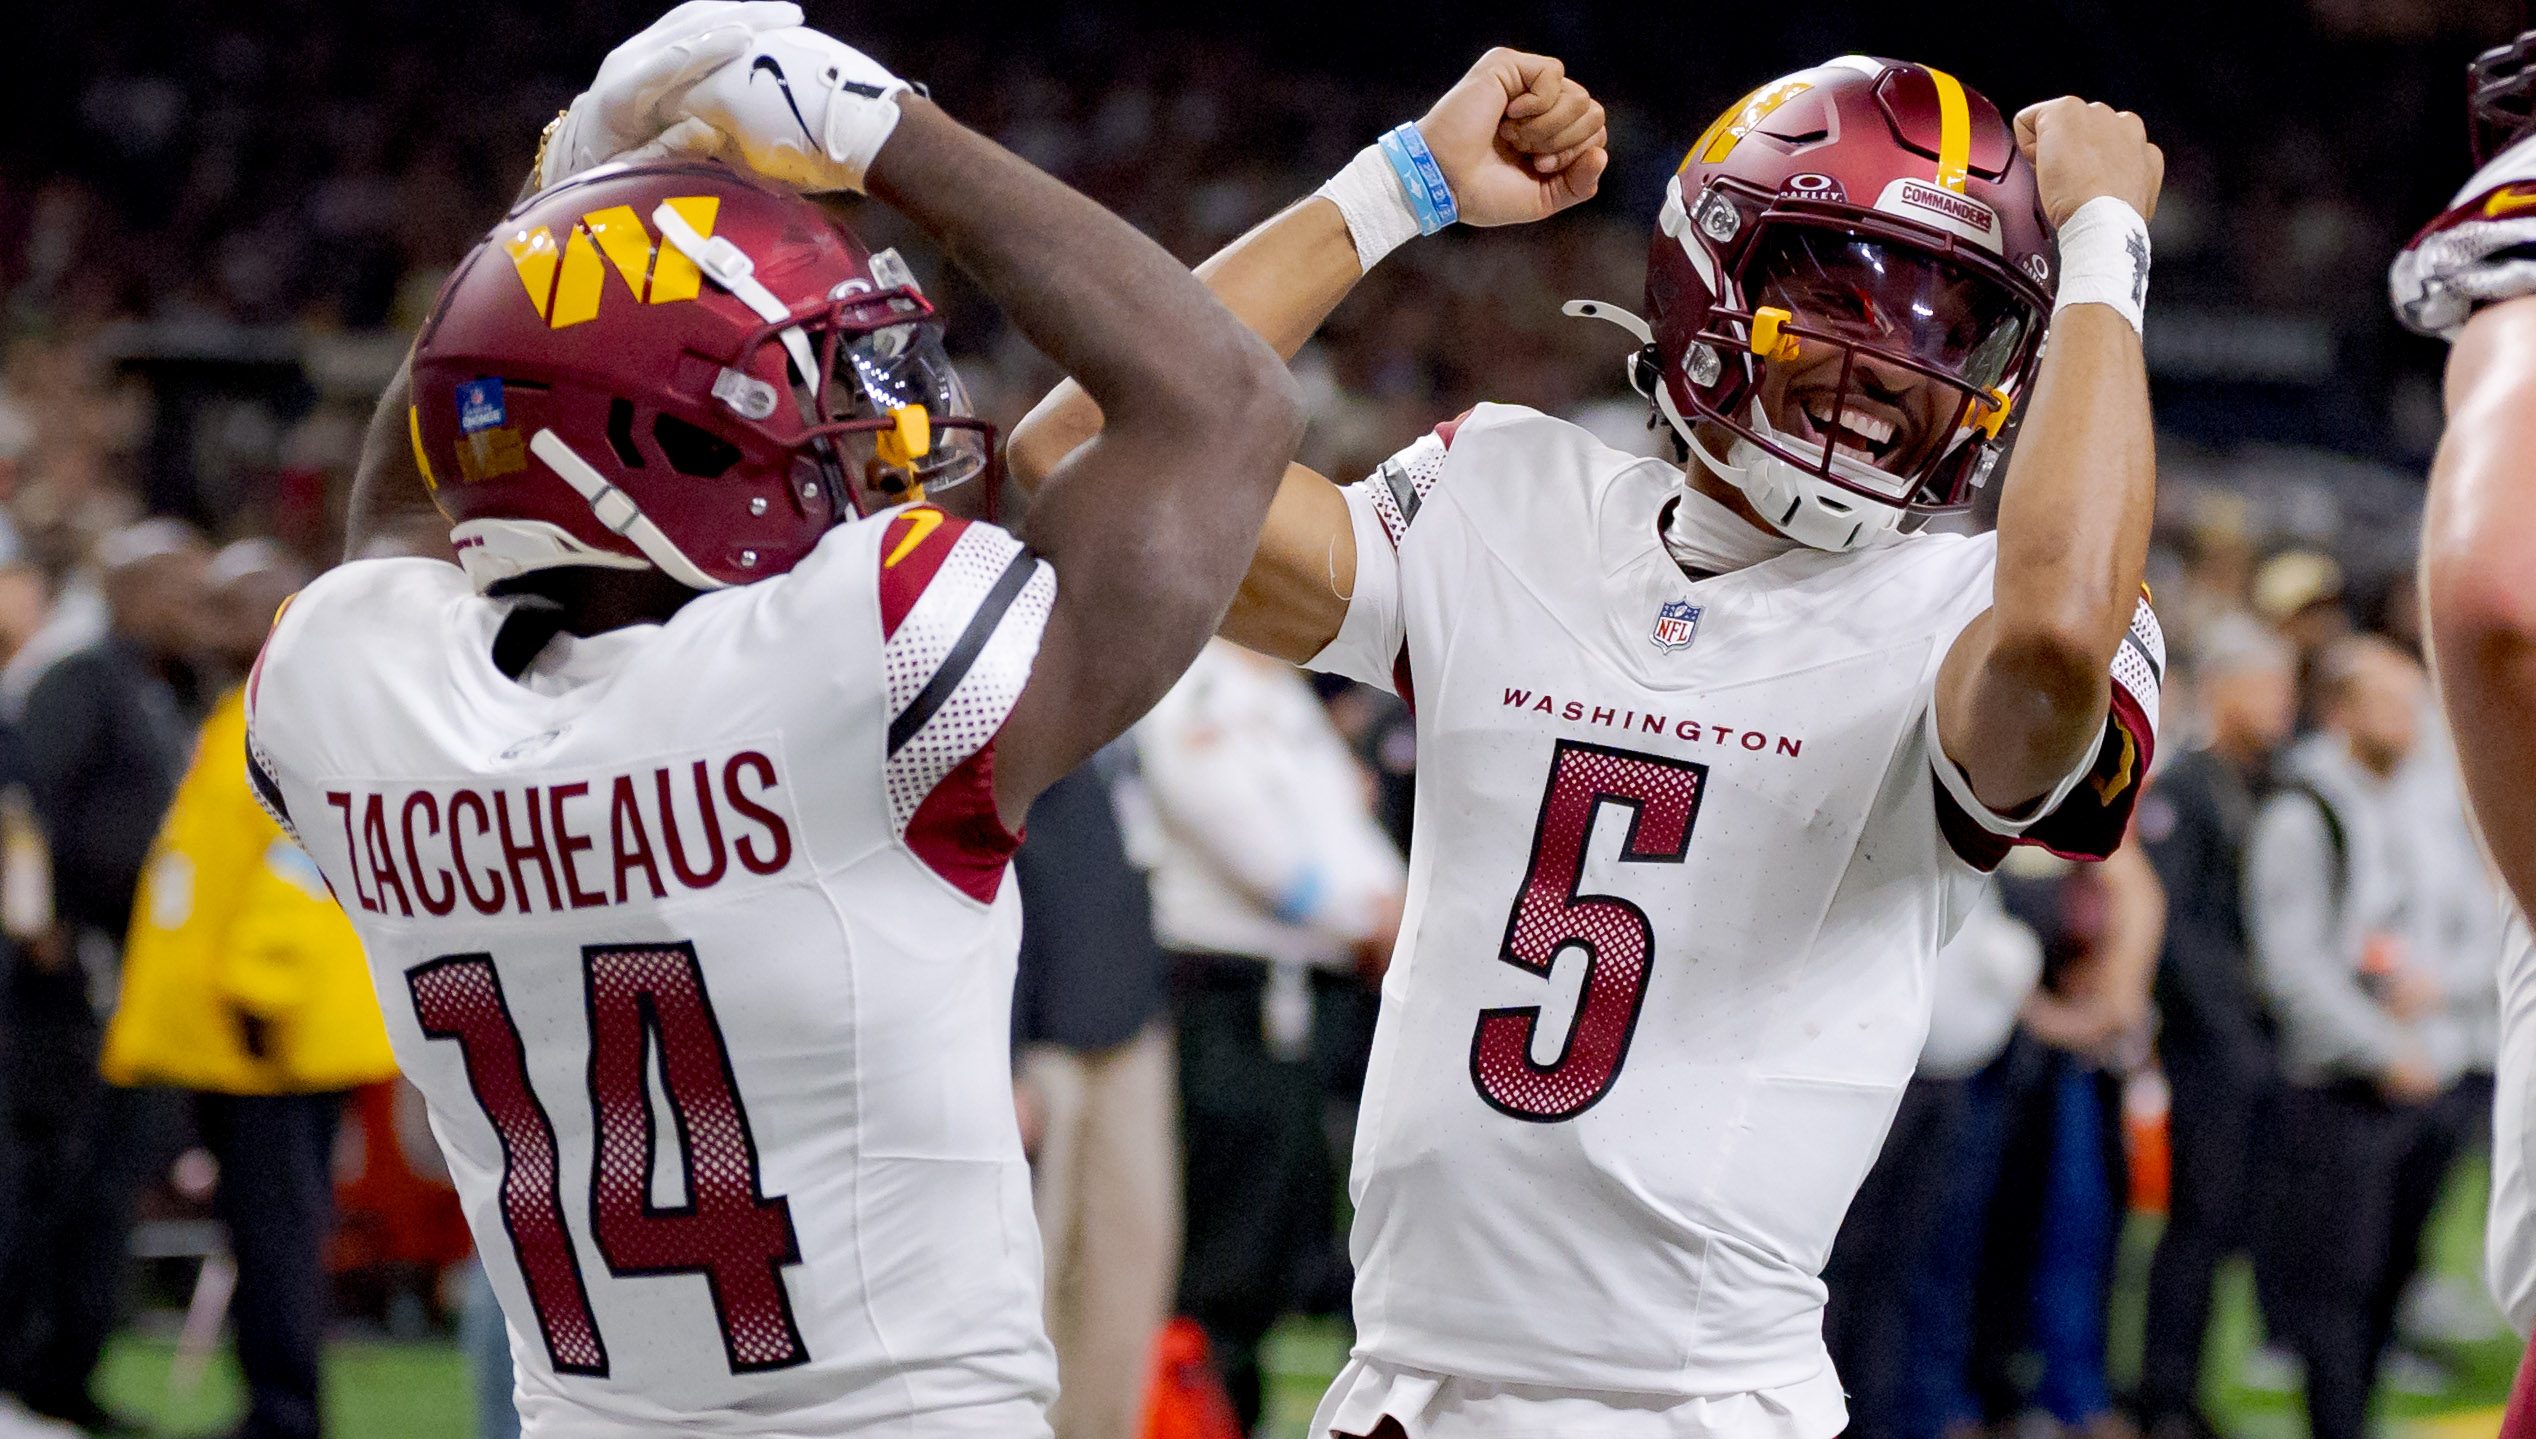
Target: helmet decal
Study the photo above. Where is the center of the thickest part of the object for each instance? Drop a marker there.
(566, 289)
(1719, 140)
(751, 377)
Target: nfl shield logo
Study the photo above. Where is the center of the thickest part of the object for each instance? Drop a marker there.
(1676, 625)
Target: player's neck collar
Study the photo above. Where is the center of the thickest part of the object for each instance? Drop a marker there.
(1705, 537)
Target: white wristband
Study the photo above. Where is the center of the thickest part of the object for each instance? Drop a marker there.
(1379, 216)
(2104, 259)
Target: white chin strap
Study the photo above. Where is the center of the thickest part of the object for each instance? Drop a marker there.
(618, 512)
(1806, 508)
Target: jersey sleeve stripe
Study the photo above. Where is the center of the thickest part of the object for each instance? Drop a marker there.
(946, 677)
(913, 550)
(1404, 495)
(1399, 488)
(268, 791)
(964, 726)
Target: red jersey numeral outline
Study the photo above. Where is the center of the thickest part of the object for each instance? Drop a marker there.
(1551, 913)
(644, 1002)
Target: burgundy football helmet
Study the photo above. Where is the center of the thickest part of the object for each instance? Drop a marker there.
(1847, 292)
(2501, 96)
(678, 366)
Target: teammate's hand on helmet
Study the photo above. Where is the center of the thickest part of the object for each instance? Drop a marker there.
(799, 108)
(643, 83)
(2081, 149)
(1517, 140)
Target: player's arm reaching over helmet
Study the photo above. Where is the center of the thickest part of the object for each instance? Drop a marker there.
(642, 89)
(1516, 140)
(1147, 530)
(2021, 700)
(1150, 526)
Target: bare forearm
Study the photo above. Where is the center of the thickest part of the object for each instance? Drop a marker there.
(1151, 525)
(2479, 583)
(2135, 926)
(1282, 280)
(2081, 491)
(390, 501)
(1082, 284)
(2027, 683)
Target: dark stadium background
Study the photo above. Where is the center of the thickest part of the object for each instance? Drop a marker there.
(219, 220)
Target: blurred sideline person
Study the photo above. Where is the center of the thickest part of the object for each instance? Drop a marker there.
(26, 922)
(107, 732)
(2213, 1038)
(2334, 885)
(2466, 278)
(2044, 1191)
(1272, 881)
(727, 728)
(1878, 1318)
(1739, 723)
(243, 984)
(1098, 1077)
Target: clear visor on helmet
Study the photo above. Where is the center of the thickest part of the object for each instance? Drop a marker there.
(1892, 298)
(1877, 358)
(876, 375)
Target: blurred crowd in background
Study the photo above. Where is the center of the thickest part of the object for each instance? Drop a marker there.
(219, 226)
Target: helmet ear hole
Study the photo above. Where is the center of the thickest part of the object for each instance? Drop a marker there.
(691, 450)
(621, 433)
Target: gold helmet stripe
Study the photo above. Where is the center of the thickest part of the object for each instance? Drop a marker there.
(1719, 139)
(422, 461)
(1954, 131)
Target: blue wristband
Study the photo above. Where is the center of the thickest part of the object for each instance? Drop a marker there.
(1300, 898)
(1422, 178)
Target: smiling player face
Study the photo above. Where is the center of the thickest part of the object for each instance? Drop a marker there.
(1872, 293)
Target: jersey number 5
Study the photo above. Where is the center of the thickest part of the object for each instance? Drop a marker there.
(1663, 799)
(644, 1000)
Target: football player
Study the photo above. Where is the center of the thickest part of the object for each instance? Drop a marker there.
(675, 816)
(1713, 754)
(2470, 277)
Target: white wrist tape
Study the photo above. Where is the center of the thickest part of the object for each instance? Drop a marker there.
(2104, 259)
(1379, 216)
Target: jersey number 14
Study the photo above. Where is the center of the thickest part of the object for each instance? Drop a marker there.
(643, 999)
(1550, 914)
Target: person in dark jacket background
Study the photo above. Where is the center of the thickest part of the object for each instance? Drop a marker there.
(106, 734)
(2195, 820)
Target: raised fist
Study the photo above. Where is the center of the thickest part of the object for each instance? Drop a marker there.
(1517, 140)
(2081, 149)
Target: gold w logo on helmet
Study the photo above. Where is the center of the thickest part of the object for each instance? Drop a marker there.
(564, 283)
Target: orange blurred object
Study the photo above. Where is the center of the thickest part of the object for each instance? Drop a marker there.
(389, 1213)
(1186, 1400)
(2145, 1102)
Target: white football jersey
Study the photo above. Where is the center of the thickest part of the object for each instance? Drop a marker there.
(695, 939)
(1683, 856)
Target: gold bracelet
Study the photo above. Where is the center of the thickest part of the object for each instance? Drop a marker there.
(545, 137)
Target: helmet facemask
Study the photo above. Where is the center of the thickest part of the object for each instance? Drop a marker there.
(1854, 378)
(2501, 96)
(888, 420)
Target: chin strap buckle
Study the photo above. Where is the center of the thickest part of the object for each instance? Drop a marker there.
(1769, 339)
(909, 439)
(1995, 404)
